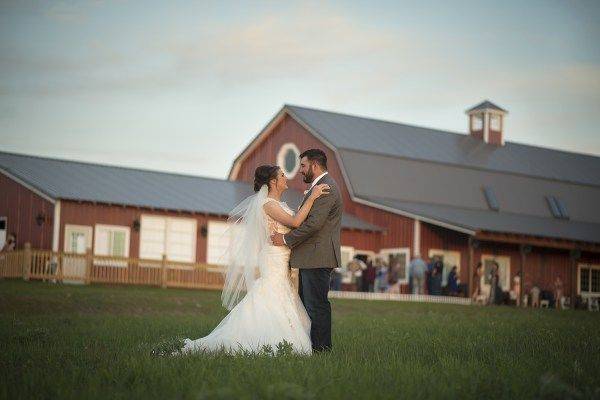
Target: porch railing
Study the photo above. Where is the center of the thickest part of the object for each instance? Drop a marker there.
(32, 264)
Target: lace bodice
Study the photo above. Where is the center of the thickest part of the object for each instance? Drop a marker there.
(273, 225)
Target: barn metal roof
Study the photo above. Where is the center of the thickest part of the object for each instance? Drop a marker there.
(74, 180)
(504, 222)
(434, 145)
(486, 105)
(440, 176)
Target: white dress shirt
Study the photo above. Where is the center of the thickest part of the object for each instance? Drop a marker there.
(314, 182)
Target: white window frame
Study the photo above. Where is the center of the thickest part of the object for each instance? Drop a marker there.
(120, 228)
(383, 253)
(453, 254)
(168, 218)
(590, 267)
(88, 231)
(215, 259)
(506, 284)
(474, 118)
(495, 117)
(281, 159)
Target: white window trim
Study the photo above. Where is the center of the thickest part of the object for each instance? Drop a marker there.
(406, 251)
(507, 284)
(281, 159)
(590, 266)
(72, 227)
(121, 228)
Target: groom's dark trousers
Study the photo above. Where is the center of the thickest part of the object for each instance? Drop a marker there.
(313, 287)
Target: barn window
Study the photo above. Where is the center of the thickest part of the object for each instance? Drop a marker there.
(174, 237)
(111, 240)
(490, 197)
(288, 159)
(589, 279)
(217, 242)
(557, 207)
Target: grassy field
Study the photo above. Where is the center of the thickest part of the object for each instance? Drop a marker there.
(105, 342)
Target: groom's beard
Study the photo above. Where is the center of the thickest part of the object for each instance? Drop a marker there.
(308, 177)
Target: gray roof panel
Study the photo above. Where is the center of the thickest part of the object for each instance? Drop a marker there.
(433, 145)
(74, 180)
(498, 221)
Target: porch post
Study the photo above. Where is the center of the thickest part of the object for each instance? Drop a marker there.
(574, 255)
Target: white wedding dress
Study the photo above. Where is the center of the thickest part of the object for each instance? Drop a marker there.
(270, 313)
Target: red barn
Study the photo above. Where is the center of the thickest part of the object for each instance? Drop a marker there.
(70, 206)
(466, 198)
(407, 189)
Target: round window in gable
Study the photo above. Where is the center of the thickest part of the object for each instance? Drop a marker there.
(287, 159)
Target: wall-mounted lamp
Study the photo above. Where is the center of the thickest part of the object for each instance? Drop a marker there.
(136, 225)
(203, 230)
(40, 218)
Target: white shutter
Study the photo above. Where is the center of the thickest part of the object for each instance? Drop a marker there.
(181, 239)
(152, 237)
(217, 243)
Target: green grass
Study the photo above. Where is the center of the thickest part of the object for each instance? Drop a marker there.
(102, 342)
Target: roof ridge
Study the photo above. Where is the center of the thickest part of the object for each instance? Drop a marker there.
(387, 121)
(443, 131)
(114, 166)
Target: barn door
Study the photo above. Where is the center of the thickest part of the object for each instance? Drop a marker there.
(78, 238)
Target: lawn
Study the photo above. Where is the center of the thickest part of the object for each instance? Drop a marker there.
(105, 342)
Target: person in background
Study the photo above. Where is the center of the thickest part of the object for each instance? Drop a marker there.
(477, 282)
(558, 292)
(417, 270)
(369, 275)
(336, 279)
(535, 296)
(392, 278)
(382, 275)
(436, 280)
(495, 290)
(453, 282)
(516, 289)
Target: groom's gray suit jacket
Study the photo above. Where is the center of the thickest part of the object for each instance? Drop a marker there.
(316, 242)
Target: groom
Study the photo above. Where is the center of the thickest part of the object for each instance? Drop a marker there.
(316, 247)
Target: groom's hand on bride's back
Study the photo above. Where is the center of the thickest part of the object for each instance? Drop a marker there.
(277, 239)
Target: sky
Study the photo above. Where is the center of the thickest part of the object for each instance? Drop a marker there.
(184, 86)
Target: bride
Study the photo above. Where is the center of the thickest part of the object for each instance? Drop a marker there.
(265, 310)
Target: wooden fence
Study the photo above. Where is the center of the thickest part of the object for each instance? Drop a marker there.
(88, 268)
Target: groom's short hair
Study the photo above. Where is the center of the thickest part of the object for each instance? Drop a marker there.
(316, 155)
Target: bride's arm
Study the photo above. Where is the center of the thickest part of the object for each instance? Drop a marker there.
(275, 211)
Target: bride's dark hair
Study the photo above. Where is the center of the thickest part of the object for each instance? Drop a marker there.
(263, 174)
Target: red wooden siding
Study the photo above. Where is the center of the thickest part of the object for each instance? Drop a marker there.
(90, 214)
(21, 206)
(399, 229)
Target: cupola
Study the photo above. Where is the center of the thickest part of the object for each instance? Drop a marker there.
(486, 122)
